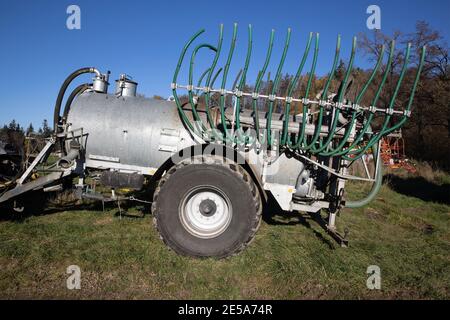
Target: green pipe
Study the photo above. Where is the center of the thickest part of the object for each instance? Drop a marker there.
(291, 88)
(376, 185)
(411, 96)
(199, 82)
(210, 83)
(300, 138)
(394, 96)
(216, 76)
(191, 76)
(372, 76)
(341, 93)
(238, 78)
(224, 81)
(259, 79)
(243, 77)
(208, 113)
(374, 101)
(325, 148)
(333, 152)
(348, 130)
(359, 153)
(214, 130)
(183, 116)
(318, 127)
(275, 87)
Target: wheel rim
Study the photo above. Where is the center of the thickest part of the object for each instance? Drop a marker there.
(205, 212)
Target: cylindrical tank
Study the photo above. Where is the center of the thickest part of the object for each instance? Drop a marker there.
(125, 87)
(127, 133)
(100, 85)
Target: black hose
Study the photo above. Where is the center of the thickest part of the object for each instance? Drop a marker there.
(62, 91)
(80, 89)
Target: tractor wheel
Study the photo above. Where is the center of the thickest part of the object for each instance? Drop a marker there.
(207, 206)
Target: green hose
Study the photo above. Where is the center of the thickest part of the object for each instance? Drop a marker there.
(191, 75)
(368, 121)
(376, 185)
(300, 138)
(275, 87)
(332, 129)
(241, 87)
(224, 81)
(258, 83)
(291, 88)
(318, 127)
(300, 141)
(375, 138)
(183, 115)
(348, 130)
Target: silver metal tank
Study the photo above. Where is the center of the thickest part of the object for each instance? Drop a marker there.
(125, 87)
(130, 134)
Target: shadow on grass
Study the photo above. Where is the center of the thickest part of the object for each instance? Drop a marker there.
(274, 215)
(419, 187)
(39, 205)
(8, 214)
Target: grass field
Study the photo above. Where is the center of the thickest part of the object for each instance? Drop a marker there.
(407, 236)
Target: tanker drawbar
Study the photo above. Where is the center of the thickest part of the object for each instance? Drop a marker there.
(216, 153)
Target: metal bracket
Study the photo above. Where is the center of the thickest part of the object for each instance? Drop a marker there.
(36, 161)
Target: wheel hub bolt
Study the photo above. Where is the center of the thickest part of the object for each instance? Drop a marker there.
(207, 207)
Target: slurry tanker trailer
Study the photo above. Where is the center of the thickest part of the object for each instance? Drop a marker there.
(218, 152)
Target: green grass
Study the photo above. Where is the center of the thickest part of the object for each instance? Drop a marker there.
(291, 257)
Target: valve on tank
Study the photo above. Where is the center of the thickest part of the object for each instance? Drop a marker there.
(125, 87)
(100, 83)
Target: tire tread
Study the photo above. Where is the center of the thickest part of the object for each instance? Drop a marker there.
(235, 169)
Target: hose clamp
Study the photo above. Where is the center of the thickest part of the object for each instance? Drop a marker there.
(339, 105)
(407, 113)
(322, 103)
(305, 101)
(238, 93)
(288, 99)
(272, 97)
(255, 95)
(356, 107)
(173, 86)
(372, 109)
(389, 111)
(207, 89)
(190, 87)
(223, 92)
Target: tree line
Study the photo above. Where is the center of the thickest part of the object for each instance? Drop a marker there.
(44, 131)
(14, 134)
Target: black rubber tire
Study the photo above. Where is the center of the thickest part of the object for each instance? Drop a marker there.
(222, 174)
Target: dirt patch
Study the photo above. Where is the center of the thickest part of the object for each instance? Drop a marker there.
(103, 221)
(374, 214)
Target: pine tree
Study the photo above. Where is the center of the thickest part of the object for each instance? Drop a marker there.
(12, 125)
(30, 129)
(46, 131)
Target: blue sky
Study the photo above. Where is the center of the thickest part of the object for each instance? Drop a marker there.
(144, 38)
